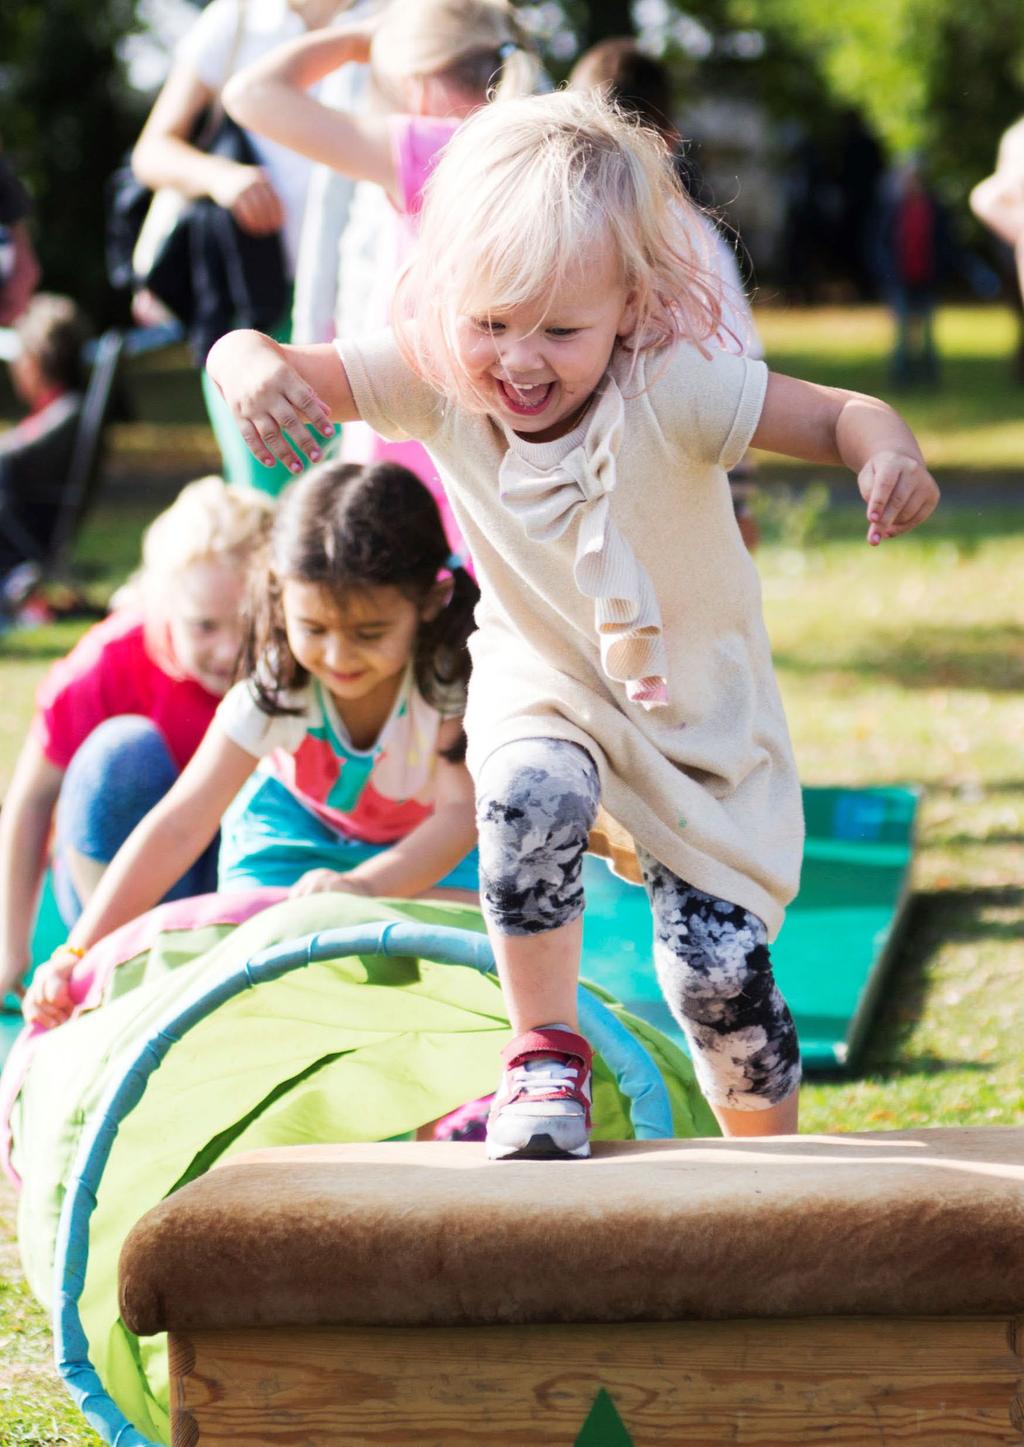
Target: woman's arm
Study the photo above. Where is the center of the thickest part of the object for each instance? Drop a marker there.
(168, 840)
(269, 97)
(164, 156)
(998, 202)
(849, 429)
(273, 389)
(416, 863)
(24, 833)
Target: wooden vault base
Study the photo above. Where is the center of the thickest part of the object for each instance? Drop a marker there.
(953, 1380)
(813, 1289)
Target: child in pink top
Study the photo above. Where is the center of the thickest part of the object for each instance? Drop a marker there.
(119, 718)
(416, 143)
(434, 62)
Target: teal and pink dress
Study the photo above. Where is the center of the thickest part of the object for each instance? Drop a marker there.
(318, 802)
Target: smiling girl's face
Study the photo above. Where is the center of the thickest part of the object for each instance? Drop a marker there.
(537, 365)
(357, 649)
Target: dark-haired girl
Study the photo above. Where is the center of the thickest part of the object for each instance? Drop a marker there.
(337, 762)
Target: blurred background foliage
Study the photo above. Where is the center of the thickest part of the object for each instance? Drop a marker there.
(935, 76)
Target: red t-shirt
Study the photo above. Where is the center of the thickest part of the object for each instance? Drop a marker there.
(110, 672)
(916, 240)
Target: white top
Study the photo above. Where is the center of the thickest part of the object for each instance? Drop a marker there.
(379, 793)
(706, 782)
(207, 50)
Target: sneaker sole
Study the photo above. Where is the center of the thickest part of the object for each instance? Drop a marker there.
(538, 1148)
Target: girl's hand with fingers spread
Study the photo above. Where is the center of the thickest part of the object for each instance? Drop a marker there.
(899, 491)
(268, 398)
(326, 881)
(48, 999)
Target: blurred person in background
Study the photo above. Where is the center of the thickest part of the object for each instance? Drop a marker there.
(19, 269)
(432, 63)
(998, 203)
(265, 198)
(43, 351)
(915, 255)
(118, 719)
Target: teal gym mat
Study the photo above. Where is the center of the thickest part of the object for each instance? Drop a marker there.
(830, 958)
(832, 953)
(49, 932)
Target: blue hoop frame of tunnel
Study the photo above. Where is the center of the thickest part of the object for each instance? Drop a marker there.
(634, 1070)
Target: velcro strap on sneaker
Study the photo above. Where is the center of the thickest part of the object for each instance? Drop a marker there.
(546, 1042)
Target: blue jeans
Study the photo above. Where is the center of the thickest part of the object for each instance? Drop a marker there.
(120, 772)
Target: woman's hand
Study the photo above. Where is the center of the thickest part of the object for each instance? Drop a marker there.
(900, 493)
(326, 881)
(268, 398)
(48, 999)
(251, 199)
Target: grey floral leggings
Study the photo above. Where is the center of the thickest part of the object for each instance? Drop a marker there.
(536, 802)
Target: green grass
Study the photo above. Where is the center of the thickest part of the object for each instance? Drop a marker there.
(973, 423)
(34, 1409)
(907, 665)
(902, 664)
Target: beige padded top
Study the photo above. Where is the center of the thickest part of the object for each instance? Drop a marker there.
(913, 1222)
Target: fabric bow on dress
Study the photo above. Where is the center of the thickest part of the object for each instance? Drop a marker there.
(626, 613)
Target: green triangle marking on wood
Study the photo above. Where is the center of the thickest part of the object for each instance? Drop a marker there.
(603, 1427)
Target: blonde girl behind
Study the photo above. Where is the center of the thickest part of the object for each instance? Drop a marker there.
(119, 718)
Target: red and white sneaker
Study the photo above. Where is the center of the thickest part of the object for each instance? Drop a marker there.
(542, 1106)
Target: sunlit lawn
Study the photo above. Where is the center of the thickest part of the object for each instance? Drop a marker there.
(904, 664)
(974, 421)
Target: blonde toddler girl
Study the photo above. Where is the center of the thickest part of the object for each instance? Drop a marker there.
(556, 350)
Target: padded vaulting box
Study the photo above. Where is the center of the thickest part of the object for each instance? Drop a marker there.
(841, 1286)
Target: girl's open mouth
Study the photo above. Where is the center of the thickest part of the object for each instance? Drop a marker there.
(525, 401)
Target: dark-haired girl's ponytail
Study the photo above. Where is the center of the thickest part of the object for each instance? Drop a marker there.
(442, 657)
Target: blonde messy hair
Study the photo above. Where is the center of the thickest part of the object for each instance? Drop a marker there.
(521, 192)
(209, 520)
(477, 45)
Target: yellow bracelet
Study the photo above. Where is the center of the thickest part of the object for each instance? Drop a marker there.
(68, 950)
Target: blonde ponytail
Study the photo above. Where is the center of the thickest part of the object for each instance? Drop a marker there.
(478, 45)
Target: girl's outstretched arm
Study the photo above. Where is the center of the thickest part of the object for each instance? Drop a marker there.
(24, 833)
(157, 853)
(269, 97)
(274, 390)
(849, 429)
(416, 863)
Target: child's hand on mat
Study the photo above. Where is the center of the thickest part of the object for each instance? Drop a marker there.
(900, 493)
(326, 881)
(48, 999)
(268, 398)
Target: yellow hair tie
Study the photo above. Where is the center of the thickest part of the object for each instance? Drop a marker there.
(68, 950)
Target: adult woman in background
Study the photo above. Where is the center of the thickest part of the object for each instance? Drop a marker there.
(265, 197)
(432, 63)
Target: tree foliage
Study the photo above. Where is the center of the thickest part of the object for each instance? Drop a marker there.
(934, 76)
(937, 76)
(65, 120)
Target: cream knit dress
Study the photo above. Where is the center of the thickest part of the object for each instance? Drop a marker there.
(705, 781)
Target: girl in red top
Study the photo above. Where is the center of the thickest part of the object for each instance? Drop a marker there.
(120, 716)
